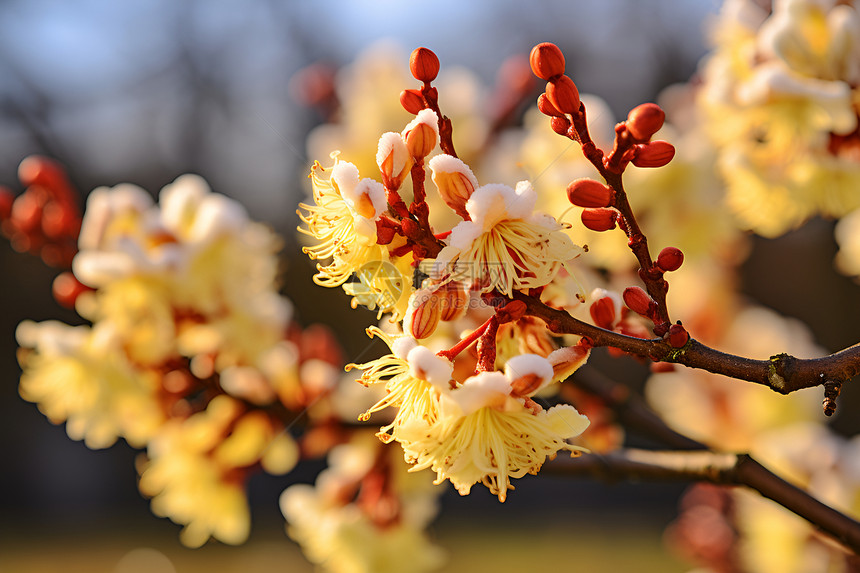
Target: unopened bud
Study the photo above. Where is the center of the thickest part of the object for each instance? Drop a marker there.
(36, 170)
(638, 300)
(670, 259)
(560, 125)
(393, 159)
(603, 312)
(453, 300)
(565, 361)
(662, 367)
(562, 94)
(655, 154)
(421, 134)
(412, 101)
(423, 314)
(546, 107)
(546, 61)
(26, 212)
(528, 373)
(589, 193)
(645, 120)
(599, 219)
(677, 336)
(455, 182)
(66, 289)
(424, 65)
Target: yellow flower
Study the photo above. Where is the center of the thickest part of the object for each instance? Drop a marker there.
(505, 246)
(491, 445)
(195, 469)
(409, 374)
(342, 220)
(80, 376)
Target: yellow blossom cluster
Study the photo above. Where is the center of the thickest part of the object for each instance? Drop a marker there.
(780, 97)
(187, 347)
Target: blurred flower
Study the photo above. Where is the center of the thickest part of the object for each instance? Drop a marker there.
(366, 514)
(779, 95)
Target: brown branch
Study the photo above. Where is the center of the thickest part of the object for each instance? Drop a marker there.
(782, 373)
(717, 468)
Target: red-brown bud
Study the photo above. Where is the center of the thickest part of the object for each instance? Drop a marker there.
(638, 301)
(547, 108)
(546, 61)
(424, 65)
(412, 101)
(645, 120)
(36, 170)
(589, 193)
(26, 212)
(603, 312)
(560, 125)
(562, 93)
(453, 300)
(677, 336)
(670, 259)
(423, 315)
(655, 154)
(599, 219)
(66, 289)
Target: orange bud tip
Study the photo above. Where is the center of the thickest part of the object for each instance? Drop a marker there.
(670, 259)
(424, 65)
(547, 61)
(589, 193)
(603, 312)
(547, 108)
(560, 125)
(638, 300)
(645, 120)
(563, 94)
(654, 154)
(412, 101)
(599, 219)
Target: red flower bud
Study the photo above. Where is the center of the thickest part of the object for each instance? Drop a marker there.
(638, 301)
(546, 61)
(424, 65)
(454, 300)
(547, 108)
(670, 259)
(66, 289)
(603, 312)
(560, 125)
(412, 101)
(599, 219)
(562, 93)
(677, 336)
(655, 154)
(26, 212)
(645, 120)
(589, 193)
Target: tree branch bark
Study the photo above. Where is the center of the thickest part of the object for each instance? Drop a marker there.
(717, 468)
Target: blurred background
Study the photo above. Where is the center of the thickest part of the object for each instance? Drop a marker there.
(145, 91)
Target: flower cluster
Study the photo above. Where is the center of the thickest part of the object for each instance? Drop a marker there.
(779, 93)
(190, 352)
(468, 424)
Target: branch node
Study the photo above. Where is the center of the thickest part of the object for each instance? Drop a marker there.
(831, 393)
